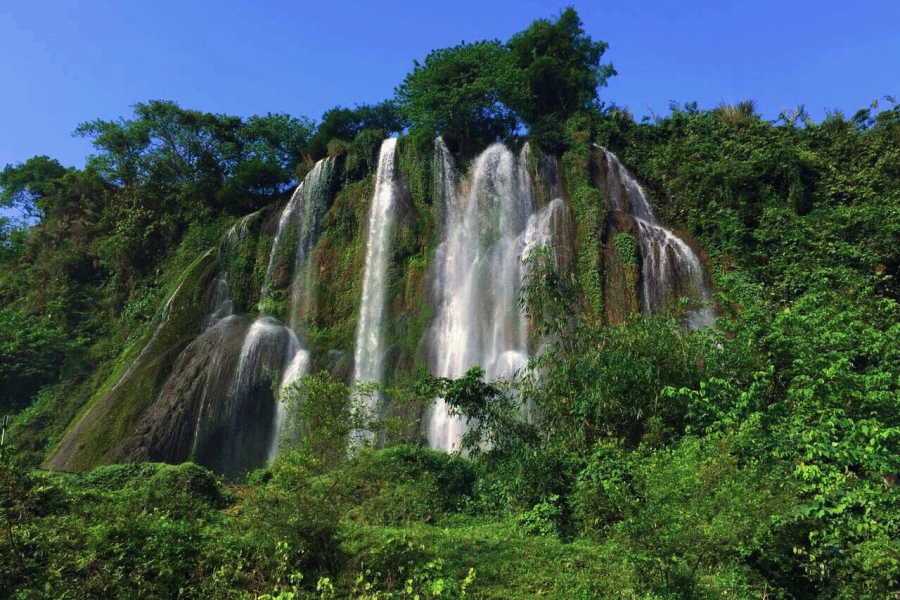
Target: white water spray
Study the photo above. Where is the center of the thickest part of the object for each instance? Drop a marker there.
(287, 215)
(477, 276)
(669, 264)
(304, 210)
(368, 359)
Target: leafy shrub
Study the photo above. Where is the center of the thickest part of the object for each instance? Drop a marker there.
(543, 518)
(695, 507)
(398, 568)
(627, 248)
(406, 483)
(603, 489)
(296, 506)
(362, 159)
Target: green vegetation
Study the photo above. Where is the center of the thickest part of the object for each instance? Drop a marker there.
(346, 124)
(458, 92)
(633, 460)
(561, 71)
(474, 94)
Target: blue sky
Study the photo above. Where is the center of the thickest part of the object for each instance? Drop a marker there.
(65, 62)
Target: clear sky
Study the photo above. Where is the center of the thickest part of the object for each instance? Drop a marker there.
(69, 61)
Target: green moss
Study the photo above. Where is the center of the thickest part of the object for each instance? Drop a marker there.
(278, 299)
(239, 258)
(362, 154)
(415, 240)
(415, 164)
(627, 249)
(337, 262)
(589, 210)
(411, 315)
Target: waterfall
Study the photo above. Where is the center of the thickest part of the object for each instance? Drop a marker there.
(304, 211)
(216, 370)
(287, 215)
(219, 302)
(269, 347)
(316, 194)
(478, 274)
(445, 179)
(552, 227)
(668, 263)
(297, 367)
(370, 326)
(238, 232)
(236, 415)
(266, 345)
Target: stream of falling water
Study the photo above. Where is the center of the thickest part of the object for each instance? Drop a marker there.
(368, 359)
(269, 344)
(669, 264)
(287, 215)
(477, 275)
(305, 209)
(316, 192)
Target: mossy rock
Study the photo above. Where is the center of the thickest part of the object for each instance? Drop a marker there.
(115, 408)
(621, 267)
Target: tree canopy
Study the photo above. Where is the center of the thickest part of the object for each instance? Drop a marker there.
(474, 94)
(459, 93)
(346, 123)
(168, 149)
(29, 185)
(562, 74)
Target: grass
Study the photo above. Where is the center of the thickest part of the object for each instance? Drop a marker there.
(509, 563)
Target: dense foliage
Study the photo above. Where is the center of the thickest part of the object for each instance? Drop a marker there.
(756, 460)
(474, 94)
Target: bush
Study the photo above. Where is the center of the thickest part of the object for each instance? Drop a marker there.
(543, 518)
(406, 483)
(299, 508)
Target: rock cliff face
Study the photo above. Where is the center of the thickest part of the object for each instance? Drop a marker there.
(420, 269)
(620, 267)
(190, 417)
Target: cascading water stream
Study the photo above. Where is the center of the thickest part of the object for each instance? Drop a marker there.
(297, 367)
(287, 215)
(316, 191)
(368, 359)
(551, 227)
(478, 274)
(304, 210)
(270, 346)
(669, 264)
(216, 368)
(219, 300)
